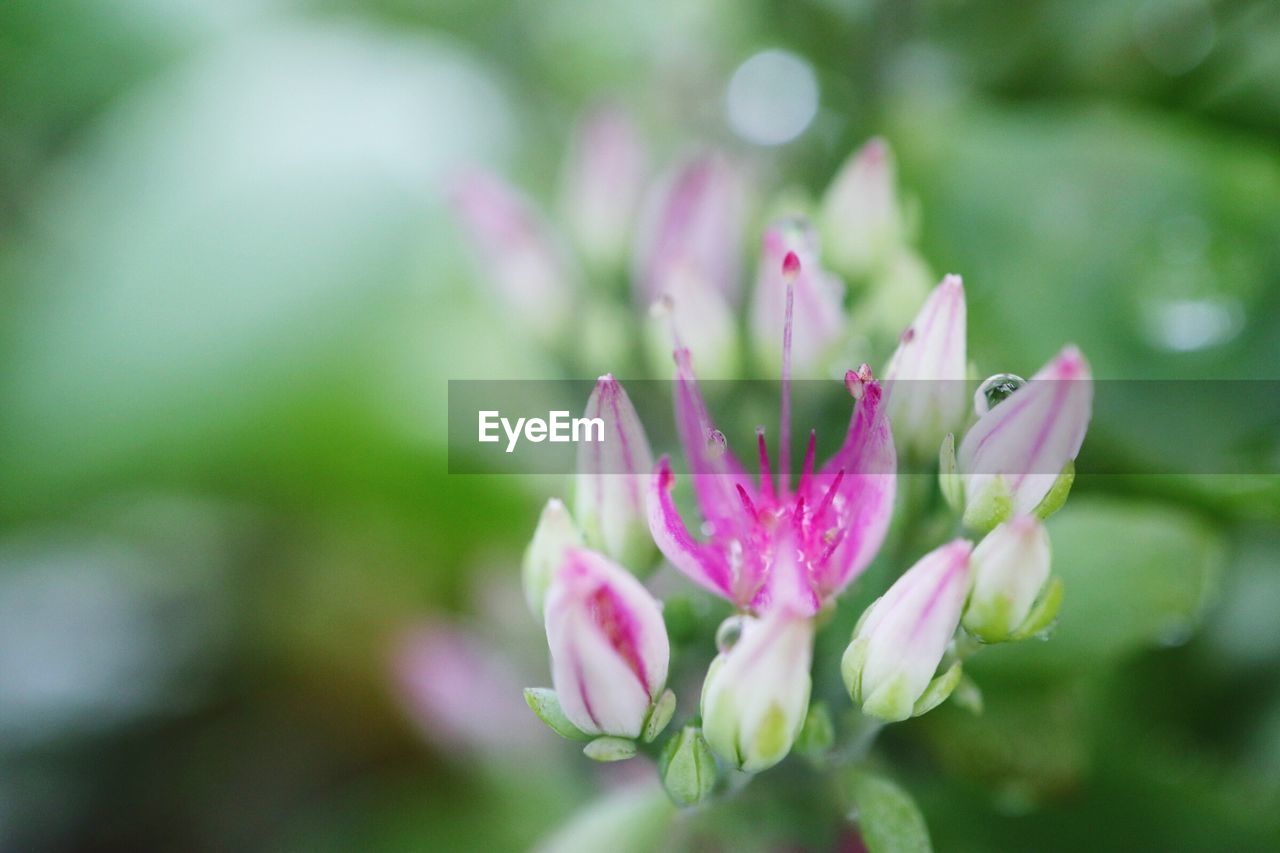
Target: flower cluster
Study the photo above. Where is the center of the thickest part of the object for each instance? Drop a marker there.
(781, 545)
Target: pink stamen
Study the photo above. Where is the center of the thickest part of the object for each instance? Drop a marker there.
(797, 517)
(790, 268)
(830, 495)
(766, 474)
(746, 501)
(810, 453)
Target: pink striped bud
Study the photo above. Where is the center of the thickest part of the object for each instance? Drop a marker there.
(609, 650)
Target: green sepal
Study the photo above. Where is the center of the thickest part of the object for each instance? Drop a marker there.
(544, 702)
(687, 767)
(949, 479)
(989, 507)
(968, 695)
(610, 749)
(938, 690)
(1040, 620)
(659, 716)
(818, 734)
(855, 657)
(1057, 495)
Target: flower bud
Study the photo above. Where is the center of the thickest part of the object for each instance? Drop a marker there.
(526, 264)
(818, 320)
(609, 650)
(925, 378)
(1014, 456)
(692, 314)
(1010, 569)
(687, 767)
(554, 535)
(862, 224)
(613, 478)
(603, 178)
(889, 667)
(692, 226)
(756, 694)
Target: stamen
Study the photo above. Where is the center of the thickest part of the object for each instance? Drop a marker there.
(830, 495)
(766, 475)
(790, 269)
(746, 501)
(806, 471)
(797, 517)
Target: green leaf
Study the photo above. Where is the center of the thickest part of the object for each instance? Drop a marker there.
(887, 816)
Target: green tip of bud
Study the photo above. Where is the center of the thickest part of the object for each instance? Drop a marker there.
(949, 479)
(938, 690)
(818, 734)
(989, 507)
(855, 657)
(687, 767)
(544, 702)
(659, 715)
(610, 749)
(1044, 615)
(1057, 495)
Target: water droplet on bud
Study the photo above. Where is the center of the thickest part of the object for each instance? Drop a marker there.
(995, 390)
(716, 443)
(729, 632)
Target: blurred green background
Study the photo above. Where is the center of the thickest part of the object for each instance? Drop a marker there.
(232, 296)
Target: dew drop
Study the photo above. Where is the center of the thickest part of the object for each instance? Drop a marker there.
(729, 632)
(995, 390)
(716, 443)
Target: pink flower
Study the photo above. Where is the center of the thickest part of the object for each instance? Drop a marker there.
(609, 649)
(829, 525)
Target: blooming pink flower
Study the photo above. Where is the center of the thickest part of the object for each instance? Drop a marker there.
(832, 522)
(609, 648)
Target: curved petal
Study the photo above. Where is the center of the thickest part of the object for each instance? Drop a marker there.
(698, 561)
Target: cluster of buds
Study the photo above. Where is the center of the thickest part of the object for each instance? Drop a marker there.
(781, 548)
(1015, 468)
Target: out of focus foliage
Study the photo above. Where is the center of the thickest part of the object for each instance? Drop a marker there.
(232, 296)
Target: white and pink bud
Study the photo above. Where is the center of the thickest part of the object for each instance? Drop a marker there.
(891, 666)
(612, 480)
(790, 256)
(756, 694)
(604, 177)
(1019, 457)
(862, 223)
(609, 649)
(1010, 570)
(554, 535)
(925, 378)
(691, 226)
(527, 266)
